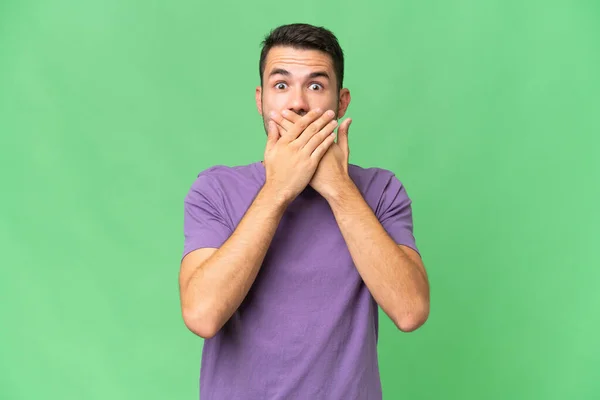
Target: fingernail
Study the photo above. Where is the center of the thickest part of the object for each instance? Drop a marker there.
(329, 113)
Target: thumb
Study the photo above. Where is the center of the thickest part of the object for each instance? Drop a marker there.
(272, 134)
(343, 135)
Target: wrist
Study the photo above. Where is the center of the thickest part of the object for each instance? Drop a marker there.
(274, 197)
(344, 190)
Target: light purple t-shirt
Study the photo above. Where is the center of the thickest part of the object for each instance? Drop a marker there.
(308, 327)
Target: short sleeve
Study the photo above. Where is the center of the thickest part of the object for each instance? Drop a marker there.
(204, 222)
(396, 213)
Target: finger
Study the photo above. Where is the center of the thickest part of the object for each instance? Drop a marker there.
(284, 123)
(280, 131)
(302, 123)
(290, 116)
(322, 135)
(315, 127)
(272, 135)
(343, 134)
(322, 147)
(287, 119)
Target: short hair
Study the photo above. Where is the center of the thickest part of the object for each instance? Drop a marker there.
(305, 37)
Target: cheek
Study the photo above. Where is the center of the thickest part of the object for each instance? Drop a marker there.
(273, 102)
(324, 102)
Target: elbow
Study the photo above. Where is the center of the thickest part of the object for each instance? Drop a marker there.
(200, 324)
(411, 320)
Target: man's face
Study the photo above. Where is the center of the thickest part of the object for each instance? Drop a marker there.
(299, 80)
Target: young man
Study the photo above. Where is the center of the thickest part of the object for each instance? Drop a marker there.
(287, 260)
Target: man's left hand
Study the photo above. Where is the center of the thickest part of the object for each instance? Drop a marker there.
(331, 176)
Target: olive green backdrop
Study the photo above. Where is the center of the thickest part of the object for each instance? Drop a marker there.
(488, 111)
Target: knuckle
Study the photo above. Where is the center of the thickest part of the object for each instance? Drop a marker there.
(311, 130)
(313, 114)
(302, 125)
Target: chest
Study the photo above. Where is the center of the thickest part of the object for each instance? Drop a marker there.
(308, 258)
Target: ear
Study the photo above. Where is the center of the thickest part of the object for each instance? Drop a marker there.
(344, 102)
(258, 98)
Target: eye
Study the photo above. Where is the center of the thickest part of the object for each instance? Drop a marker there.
(280, 85)
(316, 86)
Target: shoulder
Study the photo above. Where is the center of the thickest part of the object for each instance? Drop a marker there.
(226, 175)
(380, 187)
(220, 184)
(228, 172)
(372, 179)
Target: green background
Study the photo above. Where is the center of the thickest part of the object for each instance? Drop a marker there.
(488, 111)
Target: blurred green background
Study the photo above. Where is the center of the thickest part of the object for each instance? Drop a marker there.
(488, 111)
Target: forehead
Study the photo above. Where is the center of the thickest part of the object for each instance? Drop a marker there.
(297, 61)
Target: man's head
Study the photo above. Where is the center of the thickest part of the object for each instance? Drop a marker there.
(301, 68)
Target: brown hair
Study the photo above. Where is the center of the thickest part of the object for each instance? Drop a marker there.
(306, 37)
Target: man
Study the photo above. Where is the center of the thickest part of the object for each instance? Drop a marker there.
(286, 261)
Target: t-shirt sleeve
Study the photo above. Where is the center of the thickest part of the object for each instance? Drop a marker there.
(396, 213)
(204, 222)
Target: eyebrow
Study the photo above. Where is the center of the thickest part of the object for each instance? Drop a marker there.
(312, 75)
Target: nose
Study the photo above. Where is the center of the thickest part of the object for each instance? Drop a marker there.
(298, 102)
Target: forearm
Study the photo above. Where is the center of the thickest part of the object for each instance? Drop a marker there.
(397, 282)
(218, 286)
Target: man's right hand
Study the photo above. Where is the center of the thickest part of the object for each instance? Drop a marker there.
(292, 158)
